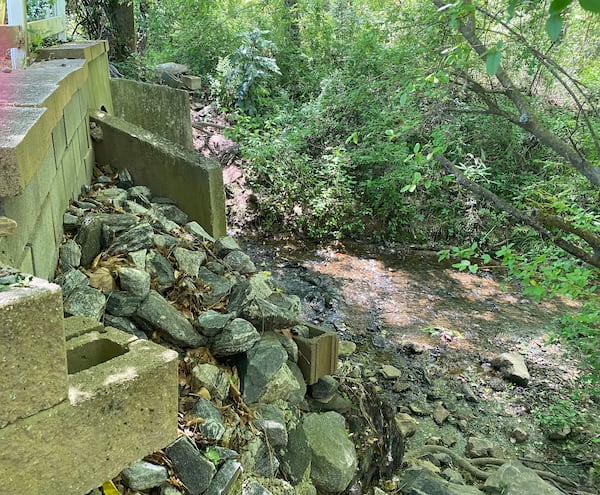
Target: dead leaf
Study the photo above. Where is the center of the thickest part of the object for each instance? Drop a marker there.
(102, 279)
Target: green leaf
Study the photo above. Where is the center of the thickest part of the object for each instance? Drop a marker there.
(557, 6)
(554, 26)
(492, 61)
(590, 5)
(403, 99)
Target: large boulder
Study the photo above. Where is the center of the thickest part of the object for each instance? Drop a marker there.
(512, 478)
(333, 456)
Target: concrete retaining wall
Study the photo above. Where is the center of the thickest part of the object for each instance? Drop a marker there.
(46, 154)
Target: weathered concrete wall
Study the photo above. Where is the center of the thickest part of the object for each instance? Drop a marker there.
(159, 109)
(46, 154)
(168, 169)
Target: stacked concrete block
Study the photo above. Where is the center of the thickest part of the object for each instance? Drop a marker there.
(46, 154)
(75, 412)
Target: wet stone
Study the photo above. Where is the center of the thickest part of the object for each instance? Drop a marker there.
(189, 261)
(144, 475)
(85, 301)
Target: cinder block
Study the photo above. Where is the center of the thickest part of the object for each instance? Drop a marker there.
(191, 82)
(44, 244)
(59, 138)
(26, 264)
(73, 117)
(120, 409)
(32, 343)
(170, 170)
(76, 326)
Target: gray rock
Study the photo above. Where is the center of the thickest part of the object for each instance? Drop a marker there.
(225, 478)
(197, 231)
(259, 458)
(390, 372)
(119, 303)
(161, 316)
(70, 255)
(135, 208)
(112, 196)
(134, 281)
(161, 222)
(406, 424)
(243, 293)
(346, 348)
(189, 261)
(88, 238)
(325, 388)
(225, 245)
(71, 281)
(240, 262)
(166, 489)
(259, 367)
(512, 478)
(453, 476)
(125, 181)
(468, 393)
(212, 427)
(225, 454)
(136, 238)
(138, 258)
(219, 286)
(253, 487)
(213, 378)
(144, 475)
(124, 324)
(194, 470)
(337, 403)
(297, 456)
(211, 323)
(140, 193)
(440, 414)
(479, 447)
(286, 302)
(333, 455)
(290, 346)
(172, 213)
(421, 481)
(270, 420)
(70, 222)
(85, 301)
(164, 241)
(237, 337)
(216, 267)
(160, 269)
(268, 316)
(513, 368)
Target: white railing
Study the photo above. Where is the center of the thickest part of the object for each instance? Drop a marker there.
(17, 33)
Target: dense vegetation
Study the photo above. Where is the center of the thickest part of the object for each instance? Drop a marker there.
(467, 127)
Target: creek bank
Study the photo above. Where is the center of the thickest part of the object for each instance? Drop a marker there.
(248, 422)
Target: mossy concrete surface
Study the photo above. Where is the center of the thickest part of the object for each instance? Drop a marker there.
(168, 169)
(159, 109)
(118, 411)
(32, 343)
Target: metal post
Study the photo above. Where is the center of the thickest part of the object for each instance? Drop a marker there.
(17, 15)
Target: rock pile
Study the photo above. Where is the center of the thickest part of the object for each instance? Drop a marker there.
(136, 262)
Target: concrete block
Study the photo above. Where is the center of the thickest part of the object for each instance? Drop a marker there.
(159, 109)
(122, 406)
(59, 139)
(26, 264)
(23, 144)
(33, 365)
(76, 326)
(191, 82)
(73, 117)
(195, 182)
(43, 243)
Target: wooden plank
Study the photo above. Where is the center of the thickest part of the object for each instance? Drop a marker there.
(44, 28)
(10, 37)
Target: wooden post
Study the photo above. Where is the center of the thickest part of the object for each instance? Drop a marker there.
(17, 15)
